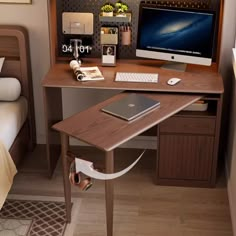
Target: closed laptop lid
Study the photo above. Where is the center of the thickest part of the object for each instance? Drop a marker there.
(131, 106)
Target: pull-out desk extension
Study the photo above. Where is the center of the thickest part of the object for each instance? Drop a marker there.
(106, 132)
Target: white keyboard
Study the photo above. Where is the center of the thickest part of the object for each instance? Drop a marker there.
(136, 77)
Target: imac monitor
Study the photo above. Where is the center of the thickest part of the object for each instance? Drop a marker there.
(179, 35)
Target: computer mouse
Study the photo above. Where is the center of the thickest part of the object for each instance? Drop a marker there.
(173, 81)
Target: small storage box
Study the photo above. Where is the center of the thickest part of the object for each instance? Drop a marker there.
(197, 107)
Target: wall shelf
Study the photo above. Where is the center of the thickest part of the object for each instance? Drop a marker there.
(121, 19)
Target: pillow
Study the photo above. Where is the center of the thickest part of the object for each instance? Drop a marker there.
(10, 89)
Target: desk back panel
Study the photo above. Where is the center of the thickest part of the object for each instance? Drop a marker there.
(60, 6)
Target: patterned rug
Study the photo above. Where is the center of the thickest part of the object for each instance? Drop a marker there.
(36, 216)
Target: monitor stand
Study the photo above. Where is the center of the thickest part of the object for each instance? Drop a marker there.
(178, 66)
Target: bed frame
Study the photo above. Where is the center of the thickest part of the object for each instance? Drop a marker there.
(14, 46)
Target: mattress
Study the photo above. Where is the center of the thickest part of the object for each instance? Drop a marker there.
(12, 118)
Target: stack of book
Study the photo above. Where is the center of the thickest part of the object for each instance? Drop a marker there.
(199, 105)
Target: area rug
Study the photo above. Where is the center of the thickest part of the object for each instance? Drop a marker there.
(36, 216)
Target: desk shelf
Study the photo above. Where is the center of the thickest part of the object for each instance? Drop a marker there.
(210, 112)
(118, 19)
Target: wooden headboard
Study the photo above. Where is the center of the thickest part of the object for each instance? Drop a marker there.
(14, 46)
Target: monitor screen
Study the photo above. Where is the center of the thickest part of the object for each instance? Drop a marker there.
(176, 35)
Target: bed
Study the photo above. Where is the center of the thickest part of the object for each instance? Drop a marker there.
(14, 46)
(17, 121)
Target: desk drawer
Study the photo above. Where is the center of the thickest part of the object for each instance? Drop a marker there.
(189, 125)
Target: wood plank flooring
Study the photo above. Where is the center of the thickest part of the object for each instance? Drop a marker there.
(140, 207)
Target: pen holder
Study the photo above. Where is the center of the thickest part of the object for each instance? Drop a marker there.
(126, 37)
(109, 38)
(109, 35)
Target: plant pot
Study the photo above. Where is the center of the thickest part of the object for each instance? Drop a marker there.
(107, 13)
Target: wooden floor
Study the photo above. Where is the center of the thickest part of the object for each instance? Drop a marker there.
(141, 208)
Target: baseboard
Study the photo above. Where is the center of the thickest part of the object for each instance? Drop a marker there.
(231, 201)
(139, 142)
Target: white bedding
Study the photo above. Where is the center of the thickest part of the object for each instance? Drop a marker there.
(12, 117)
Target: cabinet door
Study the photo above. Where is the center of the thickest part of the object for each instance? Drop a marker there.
(185, 157)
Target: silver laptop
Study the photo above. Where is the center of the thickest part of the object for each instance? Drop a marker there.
(131, 106)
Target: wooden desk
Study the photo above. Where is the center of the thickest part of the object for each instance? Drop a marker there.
(197, 80)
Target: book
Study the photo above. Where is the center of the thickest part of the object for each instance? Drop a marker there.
(91, 73)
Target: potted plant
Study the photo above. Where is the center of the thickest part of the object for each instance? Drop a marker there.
(107, 9)
(121, 8)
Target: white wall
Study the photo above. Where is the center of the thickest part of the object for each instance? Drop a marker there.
(35, 18)
(228, 42)
(231, 160)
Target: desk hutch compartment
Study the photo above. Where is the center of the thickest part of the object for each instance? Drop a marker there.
(187, 147)
(59, 39)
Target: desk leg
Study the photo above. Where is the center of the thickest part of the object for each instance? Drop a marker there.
(109, 193)
(67, 187)
(53, 113)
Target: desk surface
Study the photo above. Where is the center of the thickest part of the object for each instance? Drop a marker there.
(107, 132)
(197, 79)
